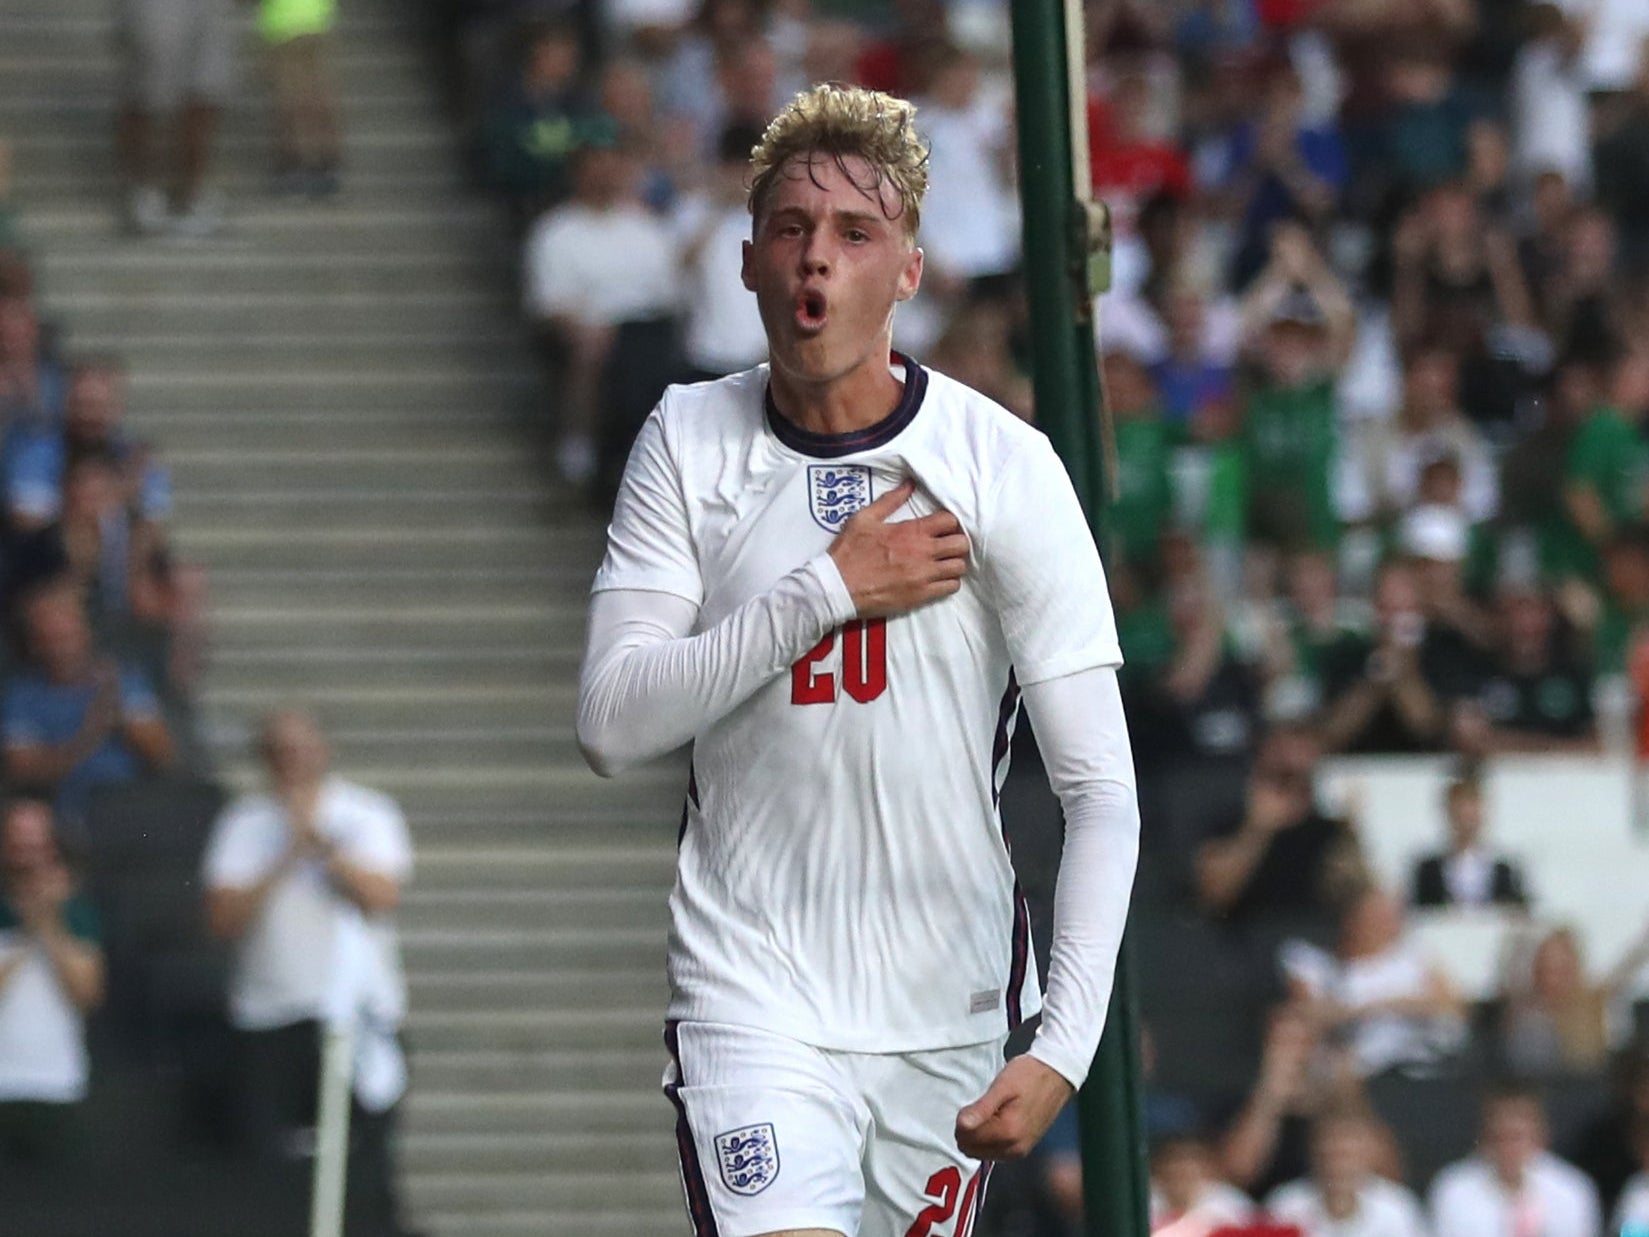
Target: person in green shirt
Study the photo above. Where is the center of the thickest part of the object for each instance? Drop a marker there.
(1143, 502)
(1605, 471)
(1298, 327)
(308, 134)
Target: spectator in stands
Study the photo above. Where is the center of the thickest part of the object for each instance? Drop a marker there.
(1298, 326)
(1457, 284)
(1268, 1142)
(1381, 477)
(1631, 1214)
(724, 332)
(73, 719)
(305, 881)
(976, 348)
(1279, 855)
(1555, 1020)
(1384, 692)
(1143, 503)
(1550, 121)
(117, 564)
(51, 976)
(1205, 704)
(1188, 1199)
(530, 134)
(308, 130)
(1513, 1185)
(1606, 1147)
(31, 380)
(594, 265)
(179, 72)
(94, 408)
(1376, 994)
(1284, 168)
(1604, 467)
(1345, 1194)
(1579, 296)
(1195, 371)
(1535, 694)
(970, 219)
(1468, 873)
(1313, 621)
(1623, 172)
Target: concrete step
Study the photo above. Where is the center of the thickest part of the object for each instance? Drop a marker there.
(630, 950)
(532, 909)
(593, 1111)
(535, 866)
(525, 1026)
(392, 587)
(482, 1193)
(98, 314)
(566, 1151)
(375, 390)
(461, 990)
(334, 631)
(486, 1070)
(209, 269)
(479, 466)
(345, 349)
(615, 1220)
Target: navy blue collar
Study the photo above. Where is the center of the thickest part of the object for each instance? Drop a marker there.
(833, 446)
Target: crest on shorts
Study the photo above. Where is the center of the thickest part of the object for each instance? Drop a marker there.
(835, 492)
(749, 1158)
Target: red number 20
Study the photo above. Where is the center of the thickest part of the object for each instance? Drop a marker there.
(943, 1188)
(864, 665)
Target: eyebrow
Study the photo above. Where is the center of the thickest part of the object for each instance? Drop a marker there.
(843, 216)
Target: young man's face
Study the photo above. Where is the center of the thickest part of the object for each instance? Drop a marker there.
(829, 261)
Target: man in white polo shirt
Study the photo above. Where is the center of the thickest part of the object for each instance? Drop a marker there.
(304, 880)
(51, 975)
(1514, 1186)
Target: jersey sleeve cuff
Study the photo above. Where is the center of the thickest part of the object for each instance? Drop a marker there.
(1061, 1060)
(833, 589)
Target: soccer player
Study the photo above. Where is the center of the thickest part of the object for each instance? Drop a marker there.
(836, 574)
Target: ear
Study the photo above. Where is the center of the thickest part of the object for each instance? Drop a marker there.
(910, 279)
(747, 271)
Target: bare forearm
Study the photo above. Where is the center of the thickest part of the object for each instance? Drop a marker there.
(231, 910)
(78, 967)
(372, 892)
(1225, 867)
(1251, 1142)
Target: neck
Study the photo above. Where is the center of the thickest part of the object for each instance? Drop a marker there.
(1510, 1175)
(854, 400)
(1340, 1200)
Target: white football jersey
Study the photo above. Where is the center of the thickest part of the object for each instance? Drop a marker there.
(843, 877)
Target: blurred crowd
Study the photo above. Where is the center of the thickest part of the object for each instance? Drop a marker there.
(1376, 354)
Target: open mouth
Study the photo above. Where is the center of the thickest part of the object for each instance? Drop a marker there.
(810, 310)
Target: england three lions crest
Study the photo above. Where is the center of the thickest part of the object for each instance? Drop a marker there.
(835, 492)
(749, 1158)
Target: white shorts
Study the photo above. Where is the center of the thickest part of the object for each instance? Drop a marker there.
(774, 1134)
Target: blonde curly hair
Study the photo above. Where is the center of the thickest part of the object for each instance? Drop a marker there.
(842, 123)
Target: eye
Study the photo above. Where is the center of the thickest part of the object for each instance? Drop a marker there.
(790, 229)
(858, 235)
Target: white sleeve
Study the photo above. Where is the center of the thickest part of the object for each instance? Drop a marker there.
(233, 858)
(547, 290)
(650, 541)
(1043, 571)
(1083, 735)
(648, 687)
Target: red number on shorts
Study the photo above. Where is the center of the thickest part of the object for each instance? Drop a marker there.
(943, 1188)
(864, 665)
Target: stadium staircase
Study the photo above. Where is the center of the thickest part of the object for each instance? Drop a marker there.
(345, 397)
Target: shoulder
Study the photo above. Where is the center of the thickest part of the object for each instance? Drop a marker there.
(364, 802)
(712, 412)
(1290, 1200)
(977, 420)
(1565, 1177)
(1391, 1197)
(1458, 1182)
(246, 812)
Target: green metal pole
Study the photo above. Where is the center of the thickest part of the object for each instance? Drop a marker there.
(1066, 380)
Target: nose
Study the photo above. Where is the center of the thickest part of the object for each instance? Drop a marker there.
(816, 255)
